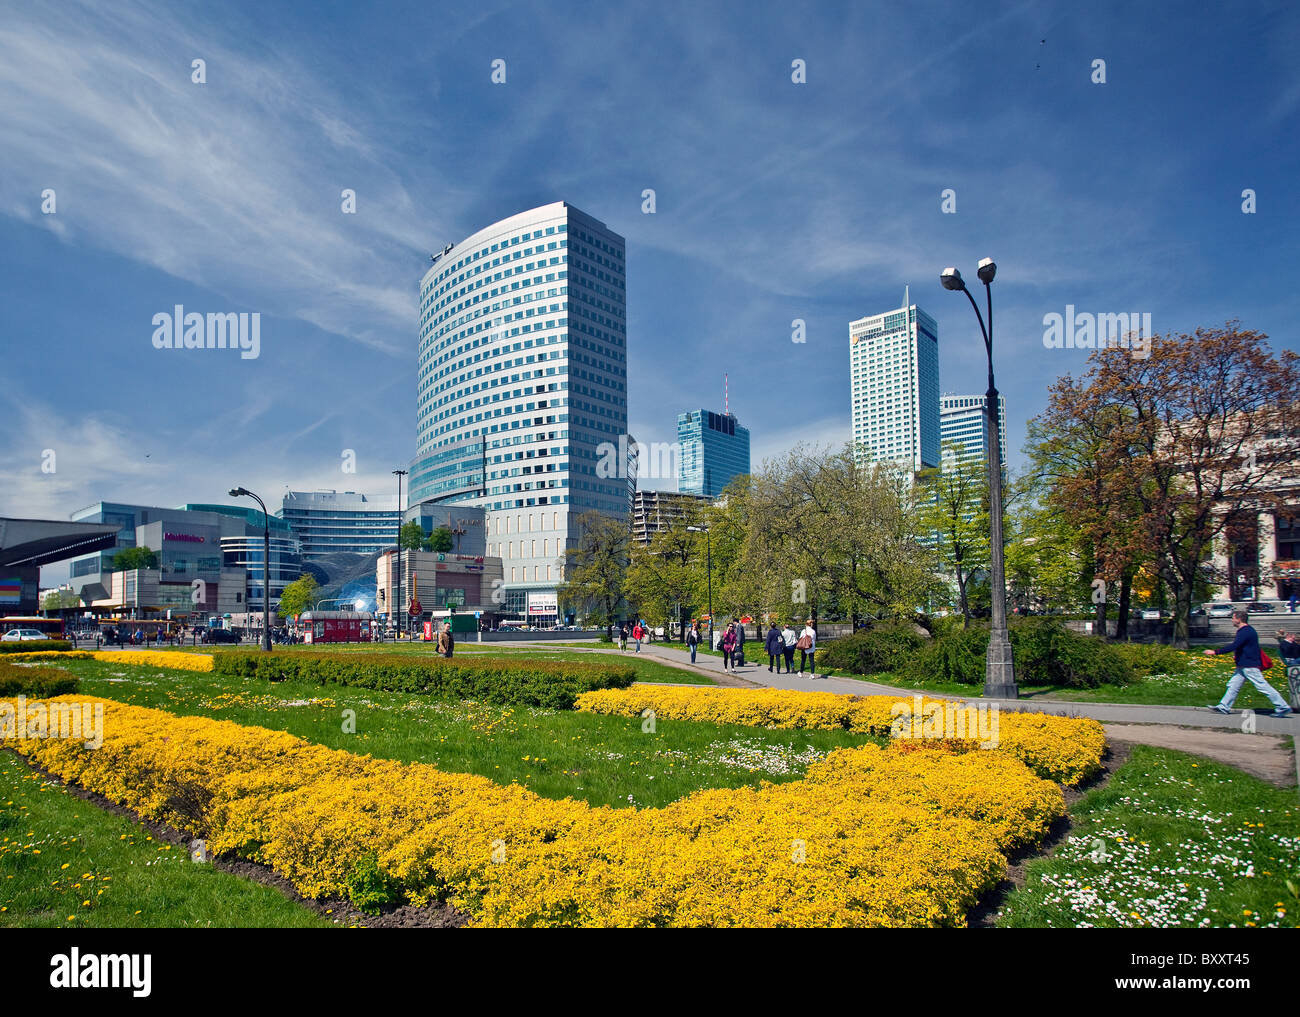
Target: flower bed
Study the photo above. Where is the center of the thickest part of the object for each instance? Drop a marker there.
(871, 837)
(1064, 749)
(512, 681)
(177, 659)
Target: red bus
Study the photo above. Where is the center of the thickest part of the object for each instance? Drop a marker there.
(52, 627)
(335, 626)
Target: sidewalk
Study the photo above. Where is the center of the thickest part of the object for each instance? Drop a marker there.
(1118, 713)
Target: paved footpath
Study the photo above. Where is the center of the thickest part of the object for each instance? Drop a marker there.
(1122, 713)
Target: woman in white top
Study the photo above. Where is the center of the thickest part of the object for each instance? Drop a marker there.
(808, 649)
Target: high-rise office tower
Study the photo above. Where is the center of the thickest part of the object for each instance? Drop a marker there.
(894, 380)
(523, 388)
(714, 450)
(964, 424)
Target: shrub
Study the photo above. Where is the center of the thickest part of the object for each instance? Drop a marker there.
(369, 887)
(884, 648)
(1046, 652)
(511, 681)
(35, 682)
(36, 646)
(1153, 658)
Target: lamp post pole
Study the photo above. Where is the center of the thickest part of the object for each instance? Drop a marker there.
(399, 605)
(1000, 670)
(708, 546)
(239, 492)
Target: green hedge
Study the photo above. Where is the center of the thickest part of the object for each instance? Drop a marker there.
(36, 646)
(35, 682)
(1046, 653)
(885, 648)
(552, 684)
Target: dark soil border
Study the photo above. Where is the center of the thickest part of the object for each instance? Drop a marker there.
(405, 916)
(984, 914)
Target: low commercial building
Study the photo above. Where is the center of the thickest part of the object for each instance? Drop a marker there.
(193, 543)
(439, 582)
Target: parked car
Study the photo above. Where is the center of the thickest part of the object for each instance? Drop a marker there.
(1150, 614)
(1222, 610)
(220, 636)
(22, 635)
(1260, 607)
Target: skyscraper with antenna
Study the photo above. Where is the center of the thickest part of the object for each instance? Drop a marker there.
(714, 448)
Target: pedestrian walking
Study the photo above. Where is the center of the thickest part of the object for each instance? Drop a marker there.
(693, 639)
(788, 639)
(775, 647)
(728, 646)
(622, 638)
(739, 659)
(638, 633)
(807, 647)
(1291, 604)
(1249, 662)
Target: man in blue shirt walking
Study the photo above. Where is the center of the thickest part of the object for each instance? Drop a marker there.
(1249, 664)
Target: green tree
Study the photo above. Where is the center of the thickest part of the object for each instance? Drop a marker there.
(595, 568)
(135, 558)
(954, 510)
(411, 536)
(298, 596)
(663, 576)
(60, 600)
(439, 540)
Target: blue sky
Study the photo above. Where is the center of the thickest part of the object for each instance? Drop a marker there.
(775, 201)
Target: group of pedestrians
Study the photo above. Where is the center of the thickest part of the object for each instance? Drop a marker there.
(637, 631)
(780, 645)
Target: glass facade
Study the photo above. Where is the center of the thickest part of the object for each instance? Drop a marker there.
(522, 381)
(714, 450)
(326, 521)
(964, 424)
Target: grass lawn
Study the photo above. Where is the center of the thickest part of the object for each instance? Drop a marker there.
(1172, 840)
(604, 760)
(65, 863)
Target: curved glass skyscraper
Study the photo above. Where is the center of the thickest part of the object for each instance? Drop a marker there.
(523, 387)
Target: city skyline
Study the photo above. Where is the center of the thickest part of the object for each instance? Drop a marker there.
(226, 197)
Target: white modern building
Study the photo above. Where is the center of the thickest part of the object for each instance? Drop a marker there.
(522, 389)
(329, 521)
(964, 424)
(894, 380)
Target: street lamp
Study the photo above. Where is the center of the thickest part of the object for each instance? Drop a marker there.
(398, 606)
(1000, 669)
(240, 492)
(708, 544)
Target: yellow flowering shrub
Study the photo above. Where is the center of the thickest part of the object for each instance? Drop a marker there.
(177, 659)
(51, 654)
(871, 837)
(1064, 749)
